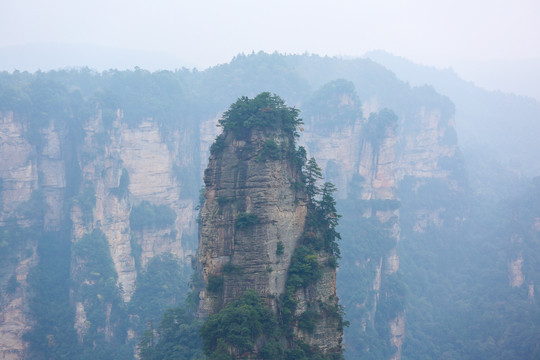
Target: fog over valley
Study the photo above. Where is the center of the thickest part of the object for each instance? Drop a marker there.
(288, 180)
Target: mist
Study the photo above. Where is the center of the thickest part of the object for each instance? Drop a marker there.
(99, 34)
(121, 138)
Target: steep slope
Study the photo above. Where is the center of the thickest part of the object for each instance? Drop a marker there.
(483, 117)
(31, 195)
(110, 199)
(256, 231)
(380, 160)
(108, 166)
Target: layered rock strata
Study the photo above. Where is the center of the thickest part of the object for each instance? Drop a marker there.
(252, 221)
(238, 184)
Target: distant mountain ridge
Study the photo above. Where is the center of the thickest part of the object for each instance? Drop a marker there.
(485, 119)
(55, 56)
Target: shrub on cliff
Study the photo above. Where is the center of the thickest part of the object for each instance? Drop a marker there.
(150, 215)
(244, 220)
(262, 112)
(240, 325)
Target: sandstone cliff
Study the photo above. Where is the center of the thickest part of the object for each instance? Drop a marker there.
(253, 221)
(103, 169)
(238, 184)
(139, 200)
(20, 201)
(377, 157)
(50, 183)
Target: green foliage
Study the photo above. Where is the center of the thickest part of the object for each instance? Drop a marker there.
(279, 248)
(52, 336)
(218, 145)
(483, 316)
(151, 216)
(308, 320)
(230, 268)
(142, 94)
(42, 100)
(34, 208)
(161, 286)
(335, 104)
(319, 234)
(330, 218)
(222, 200)
(369, 241)
(270, 151)
(304, 269)
(265, 111)
(272, 350)
(332, 262)
(303, 351)
(215, 284)
(241, 325)
(86, 200)
(13, 239)
(376, 238)
(13, 99)
(200, 205)
(244, 220)
(300, 157)
(177, 338)
(49, 99)
(377, 125)
(97, 289)
(312, 174)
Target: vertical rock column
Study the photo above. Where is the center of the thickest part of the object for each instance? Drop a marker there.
(19, 178)
(250, 207)
(260, 231)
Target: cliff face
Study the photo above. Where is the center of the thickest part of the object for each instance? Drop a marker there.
(129, 166)
(130, 182)
(18, 166)
(376, 158)
(521, 235)
(21, 196)
(237, 184)
(50, 183)
(252, 223)
(133, 176)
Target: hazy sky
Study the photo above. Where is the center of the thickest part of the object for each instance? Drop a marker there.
(203, 33)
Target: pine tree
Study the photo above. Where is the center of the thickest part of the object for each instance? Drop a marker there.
(312, 174)
(327, 208)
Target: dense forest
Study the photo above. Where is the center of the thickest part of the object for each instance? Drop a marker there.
(464, 224)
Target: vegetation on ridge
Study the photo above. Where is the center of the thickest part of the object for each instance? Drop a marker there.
(245, 327)
(264, 111)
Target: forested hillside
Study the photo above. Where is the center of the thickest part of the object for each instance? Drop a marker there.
(99, 198)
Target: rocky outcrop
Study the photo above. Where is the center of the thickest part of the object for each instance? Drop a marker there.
(47, 178)
(19, 180)
(252, 222)
(131, 166)
(515, 272)
(18, 167)
(383, 163)
(15, 319)
(123, 167)
(360, 155)
(52, 175)
(237, 184)
(521, 234)
(93, 177)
